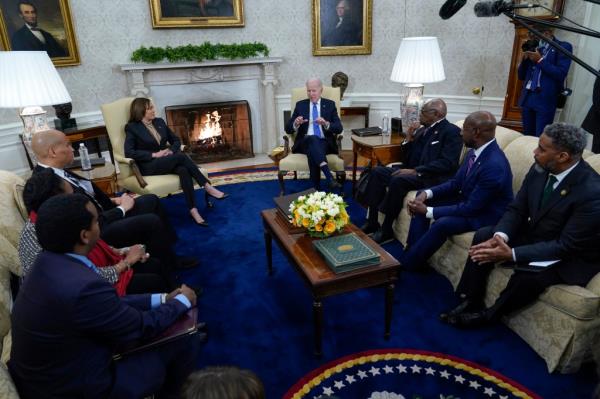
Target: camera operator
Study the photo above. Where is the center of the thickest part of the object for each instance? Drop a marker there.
(543, 71)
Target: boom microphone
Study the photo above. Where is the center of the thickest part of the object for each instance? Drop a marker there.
(495, 8)
(451, 7)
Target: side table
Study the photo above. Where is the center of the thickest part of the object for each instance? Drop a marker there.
(376, 150)
(103, 176)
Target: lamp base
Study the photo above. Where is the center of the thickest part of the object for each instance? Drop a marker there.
(411, 107)
(64, 124)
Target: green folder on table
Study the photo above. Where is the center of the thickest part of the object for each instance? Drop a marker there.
(346, 252)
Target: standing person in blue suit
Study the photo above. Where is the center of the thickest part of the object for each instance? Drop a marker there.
(68, 321)
(477, 195)
(430, 155)
(553, 220)
(543, 72)
(316, 123)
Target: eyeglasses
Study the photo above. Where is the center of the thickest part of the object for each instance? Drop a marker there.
(424, 111)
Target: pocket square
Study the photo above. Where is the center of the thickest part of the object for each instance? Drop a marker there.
(434, 142)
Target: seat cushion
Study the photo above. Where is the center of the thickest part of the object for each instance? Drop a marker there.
(299, 162)
(7, 387)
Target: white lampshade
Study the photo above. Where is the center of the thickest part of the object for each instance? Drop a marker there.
(418, 61)
(28, 78)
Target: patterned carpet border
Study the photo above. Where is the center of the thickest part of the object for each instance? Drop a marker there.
(332, 379)
(250, 175)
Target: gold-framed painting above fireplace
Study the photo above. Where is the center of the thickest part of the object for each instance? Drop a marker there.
(197, 13)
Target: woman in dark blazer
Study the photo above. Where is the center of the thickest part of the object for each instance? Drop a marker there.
(146, 142)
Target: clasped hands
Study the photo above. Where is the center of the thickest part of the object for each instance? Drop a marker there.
(162, 153)
(126, 201)
(136, 253)
(534, 56)
(493, 250)
(417, 205)
(185, 290)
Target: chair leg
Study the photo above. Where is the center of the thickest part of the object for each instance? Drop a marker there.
(280, 175)
(340, 177)
(295, 175)
(209, 203)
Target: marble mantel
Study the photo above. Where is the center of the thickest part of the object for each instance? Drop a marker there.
(186, 83)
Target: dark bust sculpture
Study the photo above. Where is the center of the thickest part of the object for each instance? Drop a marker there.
(340, 79)
(63, 113)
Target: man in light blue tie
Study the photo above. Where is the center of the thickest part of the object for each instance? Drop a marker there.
(316, 123)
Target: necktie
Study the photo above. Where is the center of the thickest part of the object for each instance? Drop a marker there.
(470, 162)
(548, 190)
(315, 114)
(35, 29)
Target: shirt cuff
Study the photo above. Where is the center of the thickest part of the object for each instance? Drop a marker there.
(540, 60)
(327, 125)
(155, 300)
(502, 235)
(429, 214)
(183, 299)
(429, 194)
(514, 255)
(122, 210)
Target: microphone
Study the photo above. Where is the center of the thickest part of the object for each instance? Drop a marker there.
(451, 7)
(495, 8)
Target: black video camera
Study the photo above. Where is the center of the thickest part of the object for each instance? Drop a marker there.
(530, 45)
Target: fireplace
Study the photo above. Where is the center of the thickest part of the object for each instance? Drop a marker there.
(213, 132)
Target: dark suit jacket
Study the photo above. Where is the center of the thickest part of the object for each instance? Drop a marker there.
(483, 194)
(67, 321)
(140, 144)
(591, 122)
(566, 228)
(347, 34)
(328, 112)
(434, 156)
(24, 40)
(107, 210)
(555, 67)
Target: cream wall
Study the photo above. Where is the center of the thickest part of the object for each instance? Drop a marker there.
(475, 51)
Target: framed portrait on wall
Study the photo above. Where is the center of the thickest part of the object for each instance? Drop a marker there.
(197, 13)
(39, 26)
(341, 27)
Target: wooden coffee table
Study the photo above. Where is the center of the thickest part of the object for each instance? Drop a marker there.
(319, 278)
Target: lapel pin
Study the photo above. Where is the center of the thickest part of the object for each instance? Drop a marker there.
(563, 192)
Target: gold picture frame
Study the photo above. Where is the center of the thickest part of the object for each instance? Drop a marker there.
(197, 14)
(52, 18)
(342, 27)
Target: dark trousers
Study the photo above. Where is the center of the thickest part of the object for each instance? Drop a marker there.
(534, 122)
(425, 238)
(389, 202)
(146, 223)
(150, 277)
(181, 165)
(522, 288)
(159, 371)
(315, 149)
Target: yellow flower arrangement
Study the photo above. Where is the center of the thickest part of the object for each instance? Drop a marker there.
(320, 213)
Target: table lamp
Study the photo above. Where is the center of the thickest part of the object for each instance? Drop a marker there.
(29, 80)
(418, 61)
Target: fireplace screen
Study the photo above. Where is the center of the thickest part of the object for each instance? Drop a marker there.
(213, 132)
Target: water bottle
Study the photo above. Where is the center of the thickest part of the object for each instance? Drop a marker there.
(86, 164)
(385, 128)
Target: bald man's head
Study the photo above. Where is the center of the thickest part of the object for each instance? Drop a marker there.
(432, 111)
(52, 148)
(479, 128)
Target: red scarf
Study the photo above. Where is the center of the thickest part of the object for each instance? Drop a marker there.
(102, 255)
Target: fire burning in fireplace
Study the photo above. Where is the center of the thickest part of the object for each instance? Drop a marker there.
(209, 127)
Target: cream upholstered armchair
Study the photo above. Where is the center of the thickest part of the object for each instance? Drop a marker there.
(116, 116)
(299, 162)
(12, 218)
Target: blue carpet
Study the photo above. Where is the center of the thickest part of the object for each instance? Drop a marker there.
(265, 323)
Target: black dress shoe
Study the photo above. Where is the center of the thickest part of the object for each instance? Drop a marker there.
(369, 228)
(382, 237)
(465, 306)
(469, 320)
(202, 337)
(186, 262)
(201, 326)
(334, 185)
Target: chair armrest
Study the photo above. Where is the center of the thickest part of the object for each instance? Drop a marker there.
(339, 139)
(134, 169)
(286, 145)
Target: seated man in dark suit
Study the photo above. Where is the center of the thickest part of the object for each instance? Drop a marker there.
(316, 123)
(68, 321)
(124, 221)
(430, 156)
(477, 195)
(554, 219)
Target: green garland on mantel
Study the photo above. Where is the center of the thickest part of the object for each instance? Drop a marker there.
(205, 51)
